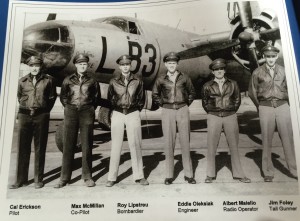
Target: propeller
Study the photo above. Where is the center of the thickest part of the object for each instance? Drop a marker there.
(249, 38)
(253, 39)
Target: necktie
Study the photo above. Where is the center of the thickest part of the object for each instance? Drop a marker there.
(220, 83)
(126, 80)
(34, 80)
(272, 72)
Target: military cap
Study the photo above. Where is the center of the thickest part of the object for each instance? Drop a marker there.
(81, 57)
(171, 56)
(34, 60)
(217, 63)
(270, 50)
(124, 59)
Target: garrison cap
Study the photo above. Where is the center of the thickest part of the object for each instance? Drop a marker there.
(218, 63)
(270, 50)
(124, 59)
(34, 60)
(81, 57)
(171, 56)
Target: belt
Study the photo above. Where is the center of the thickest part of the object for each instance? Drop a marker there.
(273, 103)
(33, 112)
(174, 106)
(125, 110)
(77, 107)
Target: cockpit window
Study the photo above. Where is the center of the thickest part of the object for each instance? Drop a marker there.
(124, 25)
(60, 34)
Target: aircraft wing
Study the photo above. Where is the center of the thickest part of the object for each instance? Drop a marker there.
(207, 48)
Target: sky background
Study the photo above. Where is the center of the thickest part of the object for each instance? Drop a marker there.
(201, 17)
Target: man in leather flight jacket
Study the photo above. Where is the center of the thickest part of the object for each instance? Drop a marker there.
(221, 99)
(174, 92)
(268, 91)
(80, 95)
(36, 96)
(126, 94)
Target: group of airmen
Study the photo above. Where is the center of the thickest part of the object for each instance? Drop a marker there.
(173, 92)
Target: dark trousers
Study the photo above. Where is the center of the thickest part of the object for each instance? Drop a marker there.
(77, 119)
(35, 127)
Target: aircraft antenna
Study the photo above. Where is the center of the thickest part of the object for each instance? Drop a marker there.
(178, 23)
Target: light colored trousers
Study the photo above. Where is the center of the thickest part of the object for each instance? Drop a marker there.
(169, 119)
(231, 130)
(271, 117)
(132, 122)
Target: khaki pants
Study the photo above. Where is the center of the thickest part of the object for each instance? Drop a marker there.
(270, 118)
(169, 119)
(132, 122)
(231, 130)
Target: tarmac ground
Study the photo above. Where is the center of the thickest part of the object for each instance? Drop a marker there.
(153, 158)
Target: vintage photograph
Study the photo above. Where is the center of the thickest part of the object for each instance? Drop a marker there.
(152, 101)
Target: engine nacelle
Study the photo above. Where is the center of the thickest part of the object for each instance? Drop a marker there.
(266, 20)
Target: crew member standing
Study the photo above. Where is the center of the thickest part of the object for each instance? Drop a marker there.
(268, 91)
(174, 92)
(36, 95)
(221, 99)
(126, 94)
(80, 94)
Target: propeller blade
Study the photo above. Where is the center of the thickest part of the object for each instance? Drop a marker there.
(252, 58)
(206, 49)
(51, 16)
(245, 14)
(270, 34)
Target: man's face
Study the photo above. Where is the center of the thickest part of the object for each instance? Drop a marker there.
(35, 69)
(125, 68)
(171, 66)
(271, 59)
(81, 67)
(219, 73)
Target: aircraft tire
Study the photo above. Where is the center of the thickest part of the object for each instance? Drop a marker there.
(104, 115)
(59, 136)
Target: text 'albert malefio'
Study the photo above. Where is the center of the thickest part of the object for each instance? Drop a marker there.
(240, 206)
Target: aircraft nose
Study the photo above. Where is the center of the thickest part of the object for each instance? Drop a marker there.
(53, 44)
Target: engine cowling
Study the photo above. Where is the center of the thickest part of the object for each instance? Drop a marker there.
(265, 21)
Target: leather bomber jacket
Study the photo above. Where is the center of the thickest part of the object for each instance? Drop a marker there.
(42, 95)
(74, 92)
(173, 96)
(263, 87)
(126, 98)
(221, 104)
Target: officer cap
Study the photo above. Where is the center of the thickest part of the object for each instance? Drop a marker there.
(270, 50)
(171, 56)
(124, 59)
(34, 60)
(81, 58)
(218, 63)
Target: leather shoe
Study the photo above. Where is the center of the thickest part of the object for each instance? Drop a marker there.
(60, 184)
(38, 185)
(18, 185)
(243, 179)
(168, 181)
(89, 183)
(190, 180)
(209, 179)
(110, 183)
(142, 181)
(268, 179)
